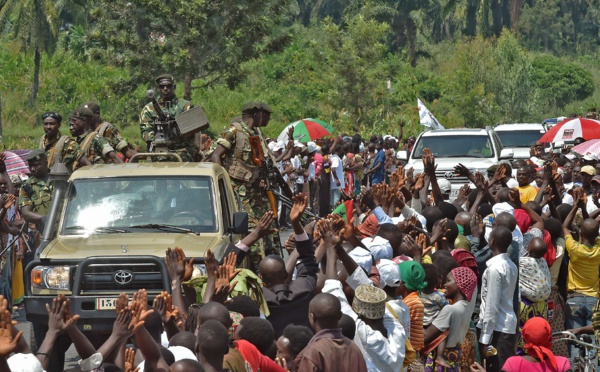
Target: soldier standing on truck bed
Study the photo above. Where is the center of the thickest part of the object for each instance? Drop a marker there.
(95, 148)
(36, 193)
(60, 148)
(109, 131)
(173, 105)
(234, 145)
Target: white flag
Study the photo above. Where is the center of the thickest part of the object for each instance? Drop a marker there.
(427, 118)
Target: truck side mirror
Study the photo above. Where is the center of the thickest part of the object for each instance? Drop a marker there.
(506, 154)
(402, 155)
(240, 223)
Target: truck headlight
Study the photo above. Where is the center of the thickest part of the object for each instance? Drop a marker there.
(51, 277)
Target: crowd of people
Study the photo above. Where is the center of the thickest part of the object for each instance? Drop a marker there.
(391, 275)
(396, 277)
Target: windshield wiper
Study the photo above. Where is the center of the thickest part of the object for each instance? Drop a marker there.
(98, 229)
(164, 227)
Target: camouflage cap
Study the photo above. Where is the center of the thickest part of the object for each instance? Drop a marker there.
(256, 106)
(94, 106)
(36, 155)
(82, 113)
(165, 77)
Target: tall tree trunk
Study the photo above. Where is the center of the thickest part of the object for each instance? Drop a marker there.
(516, 9)
(411, 31)
(187, 93)
(36, 76)
(506, 19)
(496, 9)
(471, 22)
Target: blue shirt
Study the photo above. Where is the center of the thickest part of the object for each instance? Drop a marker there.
(379, 158)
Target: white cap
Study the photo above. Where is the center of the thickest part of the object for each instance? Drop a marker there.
(590, 157)
(389, 273)
(380, 248)
(298, 144)
(280, 145)
(445, 185)
(24, 363)
(272, 145)
(362, 257)
(312, 147)
(181, 352)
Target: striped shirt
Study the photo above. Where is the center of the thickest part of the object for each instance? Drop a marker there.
(417, 310)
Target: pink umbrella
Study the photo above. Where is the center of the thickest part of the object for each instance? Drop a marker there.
(572, 128)
(588, 147)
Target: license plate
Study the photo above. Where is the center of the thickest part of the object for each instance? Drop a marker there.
(106, 303)
(454, 193)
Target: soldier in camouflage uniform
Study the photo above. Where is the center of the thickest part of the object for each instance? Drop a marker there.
(95, 148)
(234, 147)
(109, 131)
(35, 194)
(60, 148)
(171, 104)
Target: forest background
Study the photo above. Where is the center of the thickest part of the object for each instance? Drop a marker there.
(358, 64)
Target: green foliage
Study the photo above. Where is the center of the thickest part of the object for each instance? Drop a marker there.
(561, 83)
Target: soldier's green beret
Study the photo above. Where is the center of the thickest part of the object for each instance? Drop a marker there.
(256, 106)
(165, 77)
(82, 113)
(36, 155)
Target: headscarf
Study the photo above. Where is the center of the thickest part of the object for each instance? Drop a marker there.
(466, 259)
(413, 276)
(537, 335)
(550, 255)
(523, 220)
(462, 242)
(466, 281)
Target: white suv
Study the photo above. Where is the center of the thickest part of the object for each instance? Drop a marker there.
(520, 137)
(477, 149)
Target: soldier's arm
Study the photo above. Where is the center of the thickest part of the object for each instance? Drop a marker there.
(117, 141)
(107, 151)
(30, 216)
(146, 119)
(217, 154)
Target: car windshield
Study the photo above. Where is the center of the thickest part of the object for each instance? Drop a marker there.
(520, 138)
(455, 146)
(134, 204)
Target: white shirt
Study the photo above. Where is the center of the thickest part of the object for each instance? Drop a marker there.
(311, 171)
(381, 354)
(497, 291)
(336, 166)
(297, 164)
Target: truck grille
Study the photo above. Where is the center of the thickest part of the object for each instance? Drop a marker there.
(450, 176)
(115, 278)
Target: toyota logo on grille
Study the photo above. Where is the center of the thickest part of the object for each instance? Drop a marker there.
(123, 277)
(448, 175)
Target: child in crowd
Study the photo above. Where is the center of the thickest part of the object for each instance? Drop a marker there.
(433, 299)
(534, 275)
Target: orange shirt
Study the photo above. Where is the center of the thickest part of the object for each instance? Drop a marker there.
(417, 309)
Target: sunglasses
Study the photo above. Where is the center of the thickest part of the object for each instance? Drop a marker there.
(53, 115)
(163, 86)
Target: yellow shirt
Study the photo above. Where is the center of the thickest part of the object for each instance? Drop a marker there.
(583, 267)
(528, 193)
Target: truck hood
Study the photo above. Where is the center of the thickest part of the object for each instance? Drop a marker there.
(448, 164)
(74, 246)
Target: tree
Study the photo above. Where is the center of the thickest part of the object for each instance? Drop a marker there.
(193, 39)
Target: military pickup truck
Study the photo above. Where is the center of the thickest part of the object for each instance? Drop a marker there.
(109, 226)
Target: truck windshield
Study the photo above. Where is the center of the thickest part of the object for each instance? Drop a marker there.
(455, 146)
(131, 204)
(519, 138)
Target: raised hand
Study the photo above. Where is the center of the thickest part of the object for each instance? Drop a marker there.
(337, 222)
(122, 302)
(300, 203)
(210, 263)
(139, 314)
(263, 228)
(327, 235)
(189, 265)
(515, 197)
(130, 360)
(56, 316)
(290, 244)
(461, 170)
(8, 200)
(398, 199)
(7, 343)
(410, 179)
(348, 230)
(412, 246)
(419, 182)
(428, 162)
(477, 227)
(175, 268)
(464, 191)
(440, 230)
(229, 266)
(479, 181)
(421, 241)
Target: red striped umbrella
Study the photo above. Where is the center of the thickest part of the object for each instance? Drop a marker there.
(572, 128)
